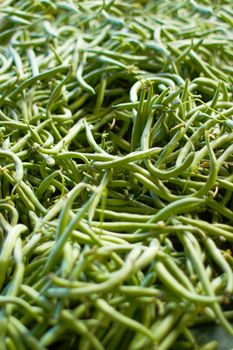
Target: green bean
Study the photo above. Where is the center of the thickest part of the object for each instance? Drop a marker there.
(139, 84)
(4, 300)
(219, 208)
(63, 220)
(18, 62)
(177, 273)
(122, 216)
(115, 280)
(100, 95)
(62, 238)
(120, 142)
(174, 140)
(214, 144)
(18, 165)
(8, 246)
(19, 273)
(25, 334)
(115, 315)
(132, 157)
(217, 256)
(177, 288)
(212, 174)
(113, 61)
(33, 294)
(10, 344)
(128, 226)
(14, 213)
(3, 322)
(202, 275)
(23, 189)
(15, 336)
(80, 327)
(226, 154)
(175, 207)
(91, 139)
(21, 143)
(38, 77)
(160, 328)
(114, 54)
(56, 92)
(65, 141)
(82, 82)
(205, 226)
(159, 173)
(155, 188)
(45, 183)
(185, 320)
(212, 345)
(32, 58)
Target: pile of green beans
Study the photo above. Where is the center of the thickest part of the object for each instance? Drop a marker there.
(116, 173)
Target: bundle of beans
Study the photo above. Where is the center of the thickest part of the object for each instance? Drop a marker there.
(116, 203)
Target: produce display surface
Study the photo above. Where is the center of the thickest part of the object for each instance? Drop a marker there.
(116, 174)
